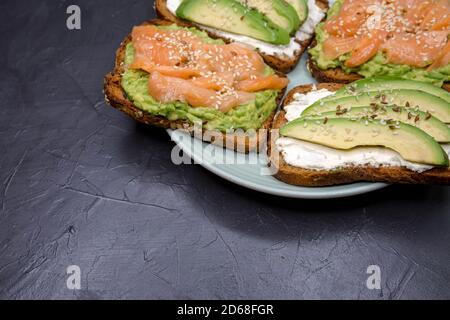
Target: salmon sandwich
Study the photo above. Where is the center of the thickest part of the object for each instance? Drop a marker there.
(280, 30)
(180, 78)
(367, 38)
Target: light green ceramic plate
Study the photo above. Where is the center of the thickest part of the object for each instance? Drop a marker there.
(253, 173)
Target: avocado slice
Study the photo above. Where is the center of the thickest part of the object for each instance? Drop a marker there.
(391, 83)
(422, 120)
(301, 6)
(278, 11)
(410, 142)
(413, 99)
(232, 16)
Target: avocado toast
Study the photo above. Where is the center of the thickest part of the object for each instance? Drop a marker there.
(280, 30)
(381, 142)
(367, 38)
(171, 97)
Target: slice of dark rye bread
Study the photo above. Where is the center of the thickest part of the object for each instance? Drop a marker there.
(116, 97)
(283, 64)
(338, 75)
(314, 178)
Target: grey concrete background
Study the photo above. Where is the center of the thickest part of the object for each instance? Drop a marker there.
(83, 184)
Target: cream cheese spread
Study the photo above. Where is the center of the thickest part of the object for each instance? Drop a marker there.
(303, 101)
(312, 156)
(315, 15)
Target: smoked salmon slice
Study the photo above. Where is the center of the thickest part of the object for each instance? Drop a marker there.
(416, 12)
(184, 68)
(408, 32)
(366, 49)
(435, 18)
(442, 24)
(263, 83)
(169, 89)
(415, 50)
(153, 50)
(334, 47)
(352, 23)
(442, 60)
(350, 19)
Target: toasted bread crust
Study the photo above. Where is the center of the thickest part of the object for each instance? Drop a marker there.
(446, 86)
(313, 178)
(283, 64)
(116, 97)
(338, 75)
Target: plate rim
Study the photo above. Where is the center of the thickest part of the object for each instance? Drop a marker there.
(312, 193)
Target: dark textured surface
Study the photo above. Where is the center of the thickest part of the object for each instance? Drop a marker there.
(82, 184)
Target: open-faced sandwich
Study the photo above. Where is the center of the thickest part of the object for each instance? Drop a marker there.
(383, 129)
(367, 38)
(279, 29)
(179, 77)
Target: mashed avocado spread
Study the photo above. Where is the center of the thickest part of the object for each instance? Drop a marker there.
(246, 117)
(377, 66)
